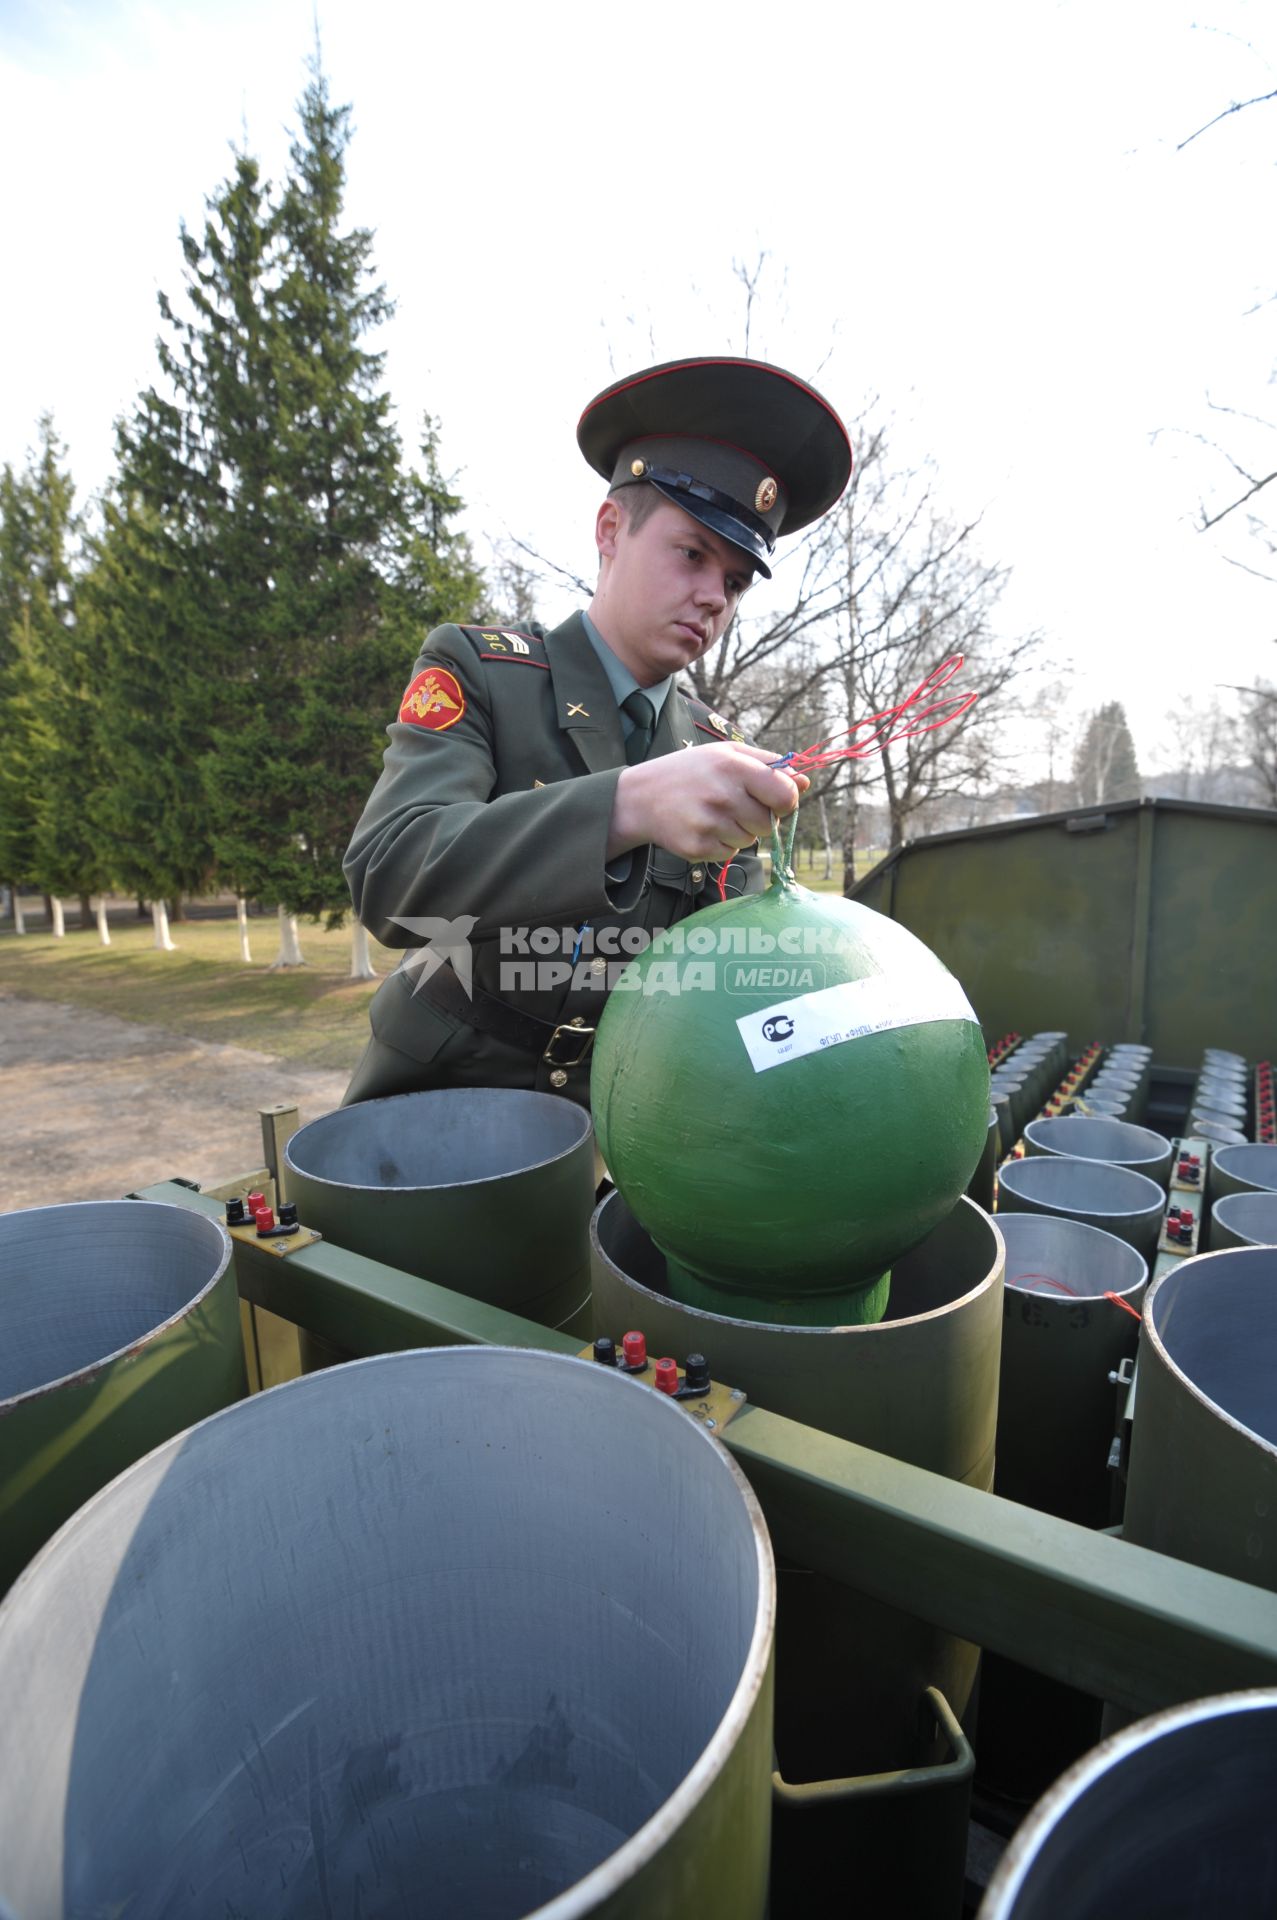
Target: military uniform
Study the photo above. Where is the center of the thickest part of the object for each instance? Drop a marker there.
(486, 836)
(494, 805)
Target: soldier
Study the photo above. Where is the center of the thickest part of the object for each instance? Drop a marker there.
(540, 813)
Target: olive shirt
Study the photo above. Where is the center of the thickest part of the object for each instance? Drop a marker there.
(502, 814)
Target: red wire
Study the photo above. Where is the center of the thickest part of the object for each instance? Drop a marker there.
(1116, 1298)
(882, 729)
(938, 713)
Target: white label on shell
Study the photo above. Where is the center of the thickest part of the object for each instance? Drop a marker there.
(848, 1011)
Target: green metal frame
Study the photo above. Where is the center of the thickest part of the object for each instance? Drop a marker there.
(1095, 1612)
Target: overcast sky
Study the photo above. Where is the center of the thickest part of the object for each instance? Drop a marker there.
(976, 212)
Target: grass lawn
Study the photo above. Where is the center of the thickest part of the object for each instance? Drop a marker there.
(813, 876)
(313, 1015)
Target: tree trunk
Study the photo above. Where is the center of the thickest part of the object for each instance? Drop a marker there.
(290, 949)
(58, 917)
(361, 966)
(241, 915)
(143, 911)
(48, 908)
(19, 917)
(159, 920)
(176, 912)
(86, 909)
(895, 813)
(826, 839)
(850, 827)
(104, 932)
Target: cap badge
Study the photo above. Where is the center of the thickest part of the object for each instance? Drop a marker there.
(638, 468)
(765, 498)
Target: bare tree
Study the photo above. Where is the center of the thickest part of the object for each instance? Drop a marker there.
(878, 595)
(1202, 761)
(1240, 494)
(514, 578)
(910, 588)
(1250, 460)
(1259, 739)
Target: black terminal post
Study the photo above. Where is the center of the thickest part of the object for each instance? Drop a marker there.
(696, 1374)
(236, 1215)
(696, 1382)
(605, 1350)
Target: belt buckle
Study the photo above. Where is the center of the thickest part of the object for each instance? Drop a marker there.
(574, 1032)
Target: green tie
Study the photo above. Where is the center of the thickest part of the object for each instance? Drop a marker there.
(641, 711)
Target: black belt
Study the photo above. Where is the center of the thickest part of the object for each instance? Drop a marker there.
(487, 1014)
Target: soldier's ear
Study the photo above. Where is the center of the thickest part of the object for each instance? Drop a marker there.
(607, 526)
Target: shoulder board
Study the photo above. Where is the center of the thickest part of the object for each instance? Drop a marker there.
(508, 643)
(710, 722)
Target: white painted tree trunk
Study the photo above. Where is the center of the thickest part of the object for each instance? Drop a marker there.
(104, 932)
(361, 966)
(159, 920)
(241, 915)
(59, 918)
(19, 918)
(290, 946)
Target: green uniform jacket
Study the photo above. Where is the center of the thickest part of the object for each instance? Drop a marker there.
(502, 814)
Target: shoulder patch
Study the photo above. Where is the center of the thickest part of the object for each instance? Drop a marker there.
(508, 643)
(434, 700)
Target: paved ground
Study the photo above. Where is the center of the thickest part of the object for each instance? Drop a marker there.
(92, 1106)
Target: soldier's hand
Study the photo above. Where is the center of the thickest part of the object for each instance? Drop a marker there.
(704, 803)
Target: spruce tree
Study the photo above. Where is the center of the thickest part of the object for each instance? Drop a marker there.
(363, 555)
(181, 589)
(47, 770)
(140, 611)
(1105, 765)
(268, 568)
(70, 857)
(18, 696)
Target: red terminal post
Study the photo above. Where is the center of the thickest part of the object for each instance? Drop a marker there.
(265, 1218)
(255, 1202)
(666, 1376)
(634, 1348)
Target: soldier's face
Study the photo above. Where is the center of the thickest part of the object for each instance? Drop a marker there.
(667, 591)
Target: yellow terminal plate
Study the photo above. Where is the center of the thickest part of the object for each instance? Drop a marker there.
(1185, 1248)
(276, 1243)
(1190, 1146)
(714, 1408)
